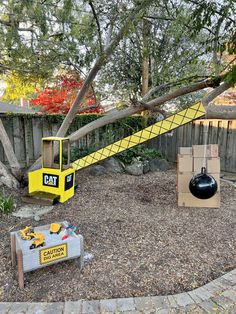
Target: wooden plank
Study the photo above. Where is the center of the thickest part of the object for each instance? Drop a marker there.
(37, 136)
(233, 145)
(20, 268)
(215, 131)
(13, 249)
(196, 133)
(29, 146)
(229, 147)
(19, 140)
(46, 128)
(223, 144)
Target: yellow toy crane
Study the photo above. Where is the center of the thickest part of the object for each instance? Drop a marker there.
(55, 181)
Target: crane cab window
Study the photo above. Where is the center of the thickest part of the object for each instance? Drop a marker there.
(56, 154)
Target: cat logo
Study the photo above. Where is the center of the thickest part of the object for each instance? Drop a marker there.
(69, 181)
(50, 180)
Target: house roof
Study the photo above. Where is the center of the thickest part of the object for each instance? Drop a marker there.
(5, 107)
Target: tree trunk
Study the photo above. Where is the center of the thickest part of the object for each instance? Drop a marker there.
(145, 65)
(221, 112)
(8, 149)
(7, 179)
(100, 62)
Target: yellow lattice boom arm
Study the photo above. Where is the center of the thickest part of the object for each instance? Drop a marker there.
(158, 128)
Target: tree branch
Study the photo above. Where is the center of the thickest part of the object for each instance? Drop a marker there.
(112, 117)
(101, 61)
(216, 92)
(98, 25)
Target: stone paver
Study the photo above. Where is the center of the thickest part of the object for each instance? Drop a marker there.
(218, 296)
(183, 299)
(73, 307)
(143, 303)
(126, 304)
(108, 306)
(90, 307)
(36, 308)
(18, 308)
(4, 306)
(210, 307)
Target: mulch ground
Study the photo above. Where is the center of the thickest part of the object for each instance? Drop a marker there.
(142, 243)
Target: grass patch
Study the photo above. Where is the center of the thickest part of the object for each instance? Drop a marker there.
(7, 203)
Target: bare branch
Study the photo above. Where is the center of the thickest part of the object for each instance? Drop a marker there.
(216, 92)
(98, 25)
(112, 117)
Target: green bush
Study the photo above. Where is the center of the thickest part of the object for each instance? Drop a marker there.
(6, 203)
(139, 152)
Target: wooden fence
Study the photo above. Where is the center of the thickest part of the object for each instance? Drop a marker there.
(25, 133)
(199, 132)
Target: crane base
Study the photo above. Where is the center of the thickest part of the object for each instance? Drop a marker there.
(41, 198)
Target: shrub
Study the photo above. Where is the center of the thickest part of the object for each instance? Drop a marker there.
(6, 203)
(139, 152)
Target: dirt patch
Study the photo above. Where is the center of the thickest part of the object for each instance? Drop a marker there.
(142, 243)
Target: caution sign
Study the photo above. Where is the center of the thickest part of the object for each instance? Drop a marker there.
(53, 253)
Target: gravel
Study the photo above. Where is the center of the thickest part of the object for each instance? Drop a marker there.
(140, 241)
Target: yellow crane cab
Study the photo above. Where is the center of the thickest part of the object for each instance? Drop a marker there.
(55, 180)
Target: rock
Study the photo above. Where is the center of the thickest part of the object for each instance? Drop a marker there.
(113, 165)
(164, 165)
(136, 168)
(88, 257)
(32, 210)
(159, 165)
(146, 166)
(97, 170)
(37, 218)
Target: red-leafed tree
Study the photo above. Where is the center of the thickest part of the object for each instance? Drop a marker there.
(59, 96)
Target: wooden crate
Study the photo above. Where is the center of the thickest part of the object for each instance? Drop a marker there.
(56, 250)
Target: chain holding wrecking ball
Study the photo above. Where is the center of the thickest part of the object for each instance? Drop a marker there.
(55, 181)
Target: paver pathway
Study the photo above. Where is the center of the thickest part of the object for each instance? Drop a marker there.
(218, 296)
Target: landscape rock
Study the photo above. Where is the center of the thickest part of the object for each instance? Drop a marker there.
(146, 166)
(136, 168)
(31, 211)
(113, 165)
(159, 165)
(37, 218)
(97, 170)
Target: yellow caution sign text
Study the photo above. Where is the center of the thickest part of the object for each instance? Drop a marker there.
(53, 253)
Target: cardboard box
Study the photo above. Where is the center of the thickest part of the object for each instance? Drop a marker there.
(198, 163)
(185, 163)
(213, 165)
(210, 150)
(183, 181)
(188, 200)
(185, 150)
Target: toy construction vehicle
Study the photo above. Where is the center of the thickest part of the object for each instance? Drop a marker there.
(38, 241)
(55, 228)
(27, 233)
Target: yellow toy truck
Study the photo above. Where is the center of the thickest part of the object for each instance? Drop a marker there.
(38, 241)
